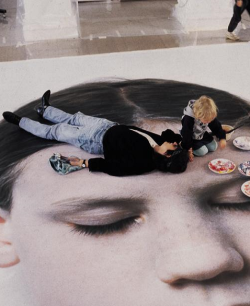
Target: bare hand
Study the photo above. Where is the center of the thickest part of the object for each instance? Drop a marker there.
(173, 146)
(190, 155)
(74, 161)
(222, 143)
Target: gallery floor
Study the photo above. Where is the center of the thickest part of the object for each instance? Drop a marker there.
(181, 232)
(109, 27)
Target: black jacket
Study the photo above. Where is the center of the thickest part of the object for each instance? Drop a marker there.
(187, 133)
(127, 152)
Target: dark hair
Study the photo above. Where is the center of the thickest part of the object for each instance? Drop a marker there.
(123, 101)
(177, 163)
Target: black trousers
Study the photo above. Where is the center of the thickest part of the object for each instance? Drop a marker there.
(237, 15)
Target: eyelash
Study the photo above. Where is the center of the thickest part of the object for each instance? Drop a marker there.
(116, 227)
(232, 207)
(124, 224)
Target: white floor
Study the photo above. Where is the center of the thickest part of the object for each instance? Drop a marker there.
(225, 67)
(110, 26)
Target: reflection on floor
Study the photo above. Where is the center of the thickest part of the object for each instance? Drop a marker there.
(108, 27)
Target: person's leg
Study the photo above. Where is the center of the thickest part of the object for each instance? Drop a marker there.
(212, 146)
(201, 151)
(89, 138)
(45, 103)
(248, 7)
(60, 132)
(56, 115)
(91, 129)
(234, 22)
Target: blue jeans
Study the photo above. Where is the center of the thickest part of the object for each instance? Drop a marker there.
(210, 147)
(80, 130)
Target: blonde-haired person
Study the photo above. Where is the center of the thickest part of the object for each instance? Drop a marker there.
(199, 115)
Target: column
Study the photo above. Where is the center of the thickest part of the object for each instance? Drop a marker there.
(48, 19)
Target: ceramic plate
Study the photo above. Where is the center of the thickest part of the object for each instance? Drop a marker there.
(242, 142)
(221, 166)
(245, 188)
(244, 168)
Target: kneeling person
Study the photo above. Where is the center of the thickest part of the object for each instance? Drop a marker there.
(199, 115)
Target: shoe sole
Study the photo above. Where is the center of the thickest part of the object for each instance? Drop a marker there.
(232, 38)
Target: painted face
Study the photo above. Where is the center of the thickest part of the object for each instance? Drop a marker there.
(154, 240)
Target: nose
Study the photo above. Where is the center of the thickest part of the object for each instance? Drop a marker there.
(195, 256)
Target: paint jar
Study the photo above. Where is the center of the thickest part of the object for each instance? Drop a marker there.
(227, 128)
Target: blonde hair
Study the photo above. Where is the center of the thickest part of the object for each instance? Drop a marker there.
(205, 108)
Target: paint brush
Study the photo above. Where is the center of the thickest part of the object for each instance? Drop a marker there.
(230, 131)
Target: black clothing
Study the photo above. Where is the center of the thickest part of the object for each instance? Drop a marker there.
(187, 133)
(238, 11)
(128, 153)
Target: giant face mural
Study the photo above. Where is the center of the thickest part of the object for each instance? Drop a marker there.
(155, 239)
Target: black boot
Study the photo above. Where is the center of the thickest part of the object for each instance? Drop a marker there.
(45, 103)
(11, 118)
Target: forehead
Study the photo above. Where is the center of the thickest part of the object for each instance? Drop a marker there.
(39, 183)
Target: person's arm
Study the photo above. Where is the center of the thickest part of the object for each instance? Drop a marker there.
(120, 168)
(217, 130)
(187, 132)
(222, 143)
(190, 155)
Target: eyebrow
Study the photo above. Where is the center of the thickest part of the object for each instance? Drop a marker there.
(97, 211)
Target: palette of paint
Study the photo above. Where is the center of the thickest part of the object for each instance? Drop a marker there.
(221, 166)
(227, 128)
(244, 168)
(225, 166)
(245, 188)
(242, 142)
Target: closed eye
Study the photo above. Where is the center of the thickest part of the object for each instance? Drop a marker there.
(100, 230)
(224, 196)
(231, 206)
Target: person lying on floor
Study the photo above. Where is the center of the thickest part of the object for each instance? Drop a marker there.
(127, 150)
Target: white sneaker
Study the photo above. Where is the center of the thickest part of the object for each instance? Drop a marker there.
(243, 26)
(232, 36)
